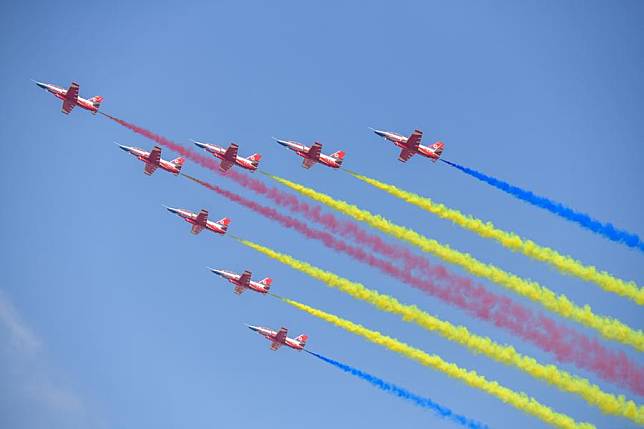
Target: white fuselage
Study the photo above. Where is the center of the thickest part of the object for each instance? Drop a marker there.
(401, 142)
(272, 336)
(145, 157)
(191, 218)
(220, 152)
(234, 279)
(302, 151)
(62, 94)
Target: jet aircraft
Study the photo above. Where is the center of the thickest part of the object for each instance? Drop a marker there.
(199, 221)
(279, 338)
(243, 282)
(229, 156)
(313, 154)
(411, 145)
(153, 160)
(71, 98)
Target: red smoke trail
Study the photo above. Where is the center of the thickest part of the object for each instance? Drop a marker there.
(565, 343)
(292, 203)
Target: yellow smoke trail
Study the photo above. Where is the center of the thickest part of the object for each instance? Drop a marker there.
(608, 403)
(563, 263)
(472, 378)
(607, 326)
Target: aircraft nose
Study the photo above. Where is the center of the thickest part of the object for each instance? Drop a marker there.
(172, 210)
(218, 272)
(378, 132)
(282, 142)
(125, 148)
(42, 85)
(199, 144)
(253, 328)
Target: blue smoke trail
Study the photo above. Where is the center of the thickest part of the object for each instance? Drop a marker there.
(404, 394)
(605, 229)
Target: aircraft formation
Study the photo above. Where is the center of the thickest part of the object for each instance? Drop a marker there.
(229, 157)
(227, 161)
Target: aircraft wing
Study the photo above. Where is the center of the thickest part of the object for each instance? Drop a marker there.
(231, 152)
(281, 335)
(71, 97)
(68, 106)
(154, 157)
(308, 163)
(72, 92)
(150, 168)
(225, 164)
(405, 154)
(202, 217)
(414, 139)
(314, 151)
(239, 290)
(196, 229)
(244, 279)
(275, 346)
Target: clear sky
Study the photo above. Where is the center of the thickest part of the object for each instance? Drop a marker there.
(108, 316)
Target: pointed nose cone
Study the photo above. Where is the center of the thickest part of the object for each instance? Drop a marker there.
(40, 84)
(282, 142)
(218, 272)
(253, 328)
(378, 132)
(125, 148)
(199, 144)
(172, 210)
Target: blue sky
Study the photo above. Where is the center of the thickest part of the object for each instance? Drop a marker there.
(108, 317)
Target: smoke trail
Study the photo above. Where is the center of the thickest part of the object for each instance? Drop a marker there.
(592, 394)
(606, 230)
(518, 400)
(607, 326)
(207, 162)
(568, 345)
(289, 201)
(565, 264)
(402, 393)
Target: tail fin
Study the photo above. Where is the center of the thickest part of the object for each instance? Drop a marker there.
(96, 101)
(254, 158)
(266, 282)
(302, 339)
(224, 222)
(178, 162)
(438, 148)
(338, 156)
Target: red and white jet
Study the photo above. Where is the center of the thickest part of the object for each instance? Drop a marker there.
(314, 154)
(229, 156)
(243, 282)
(153, 160)
(199, 221)
(71, 98)
(279, 338)
(411, 145)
